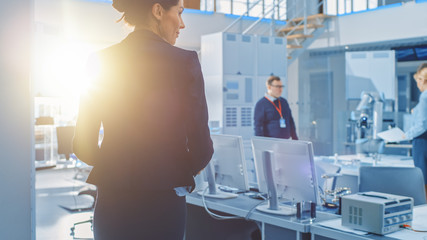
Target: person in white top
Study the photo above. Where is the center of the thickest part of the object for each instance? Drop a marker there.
(418, 130)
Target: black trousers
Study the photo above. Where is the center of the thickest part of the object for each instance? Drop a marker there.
(139, 214)
(419, 152)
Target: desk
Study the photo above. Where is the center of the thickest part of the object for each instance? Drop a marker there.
(406, 146)
(420, 212)
(275, 226)
(397, 145)
(350, 166)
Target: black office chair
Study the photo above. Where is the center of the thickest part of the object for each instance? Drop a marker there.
(65, 136)
(405, 181)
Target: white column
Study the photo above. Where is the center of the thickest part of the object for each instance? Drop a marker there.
(17, 214)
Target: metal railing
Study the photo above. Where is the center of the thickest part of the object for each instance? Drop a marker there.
(240, 18)
(272, 9)
(335, 7)
(304, 15)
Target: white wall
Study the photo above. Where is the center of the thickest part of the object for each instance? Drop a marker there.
(198, 24)
(293, 89)
(391, 24)
(95, 22)
(17, 218)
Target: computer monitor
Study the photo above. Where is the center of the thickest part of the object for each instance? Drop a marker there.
(293, 168)
(228, 165)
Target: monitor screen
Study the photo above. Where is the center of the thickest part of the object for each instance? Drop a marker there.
(421, 53)
(415, 53)
(229, 161)
(293, 168)
(405, 54)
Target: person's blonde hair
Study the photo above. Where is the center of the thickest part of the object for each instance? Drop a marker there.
(421, 68)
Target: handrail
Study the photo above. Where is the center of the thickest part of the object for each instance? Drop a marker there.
(305, 18)
(294, 27)
(259, 20)
(238, 19)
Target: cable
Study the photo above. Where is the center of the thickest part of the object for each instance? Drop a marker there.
(221, 217)
(409, 227)
(214, 215)
(254, 207)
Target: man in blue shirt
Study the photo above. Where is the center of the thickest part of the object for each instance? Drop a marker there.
(273, 117)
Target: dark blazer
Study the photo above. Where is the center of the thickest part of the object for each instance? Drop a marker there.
(149, 97)
(267, 120)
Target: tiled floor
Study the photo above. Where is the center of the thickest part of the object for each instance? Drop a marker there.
(57, 187)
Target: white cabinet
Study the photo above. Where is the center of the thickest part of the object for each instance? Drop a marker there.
(370, 71)
(238, 54)
(271, 56)
(235, 69)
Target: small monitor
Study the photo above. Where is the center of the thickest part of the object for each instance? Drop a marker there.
(293, 168)
(228, 166)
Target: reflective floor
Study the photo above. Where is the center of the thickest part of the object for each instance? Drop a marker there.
(56, 191)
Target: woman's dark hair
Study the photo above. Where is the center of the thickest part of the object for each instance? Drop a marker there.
(136, 12)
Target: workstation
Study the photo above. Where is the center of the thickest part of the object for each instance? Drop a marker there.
(346, 77)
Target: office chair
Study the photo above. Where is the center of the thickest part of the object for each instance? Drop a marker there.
(405, 181)
(65, 136)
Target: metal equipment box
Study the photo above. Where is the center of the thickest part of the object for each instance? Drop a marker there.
(376, 212)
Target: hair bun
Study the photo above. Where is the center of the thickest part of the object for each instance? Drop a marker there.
(120, 5)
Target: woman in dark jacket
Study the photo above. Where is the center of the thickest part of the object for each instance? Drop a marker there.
(149, 99)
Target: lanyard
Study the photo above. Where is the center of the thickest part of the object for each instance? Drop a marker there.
(279, 109)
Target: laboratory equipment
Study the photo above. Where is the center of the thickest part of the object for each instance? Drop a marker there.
(376, 212)
(306, 210)
(368, 117)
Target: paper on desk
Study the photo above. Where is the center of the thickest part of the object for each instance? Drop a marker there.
(336, 224)
(392, 135)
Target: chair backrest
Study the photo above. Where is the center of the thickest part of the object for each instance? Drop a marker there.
(325, 168)
(404, 181)
(65, 136)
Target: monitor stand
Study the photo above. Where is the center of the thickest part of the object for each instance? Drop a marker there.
(214, 192)
(273, 205)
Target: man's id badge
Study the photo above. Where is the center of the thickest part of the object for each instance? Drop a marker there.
(282, 123)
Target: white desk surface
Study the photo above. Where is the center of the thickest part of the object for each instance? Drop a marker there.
(419, 223)
(350, 163)
(408, 146)
(241, 205)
